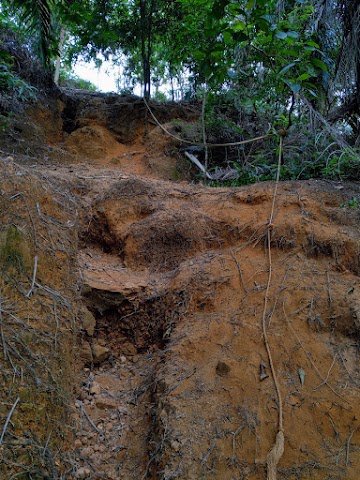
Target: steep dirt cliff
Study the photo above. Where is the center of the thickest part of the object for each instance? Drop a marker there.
(164, 356)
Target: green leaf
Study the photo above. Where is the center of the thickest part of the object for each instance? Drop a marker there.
(292, 53)
(263, 25)
(319, 63)
(281, 35)
(287, 67)
(236, 10)
(303, 77)
(308, 51)
(228, 39)
(198, 55)
(295, 87)
(310, 85)
(312, 44)
(293, 34)
(238, 26)
(312, 92)
(250, 4)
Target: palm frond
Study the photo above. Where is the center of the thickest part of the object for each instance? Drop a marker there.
(37, 17)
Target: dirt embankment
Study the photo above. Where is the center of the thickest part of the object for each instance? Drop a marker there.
(38, 317)
(172, 376)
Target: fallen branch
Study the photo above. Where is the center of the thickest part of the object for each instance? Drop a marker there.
(240, 272)
(82, 408)
(348, 445)
(8, 420)
(33, 278)
(192, 157)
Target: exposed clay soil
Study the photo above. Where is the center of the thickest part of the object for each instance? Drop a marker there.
(172, 378)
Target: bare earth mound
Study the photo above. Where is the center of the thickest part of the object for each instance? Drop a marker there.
(184, 302)
(174, 380)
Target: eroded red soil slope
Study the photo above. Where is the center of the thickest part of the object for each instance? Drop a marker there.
(174, 380)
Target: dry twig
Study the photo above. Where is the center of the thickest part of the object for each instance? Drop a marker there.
(33, 278)
(8, 419)
(348, 445)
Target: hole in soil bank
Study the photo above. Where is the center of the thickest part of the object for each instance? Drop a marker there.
(69, 116)
(144, 324)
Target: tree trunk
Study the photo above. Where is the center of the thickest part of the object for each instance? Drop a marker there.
(146, 19)
(58, 59)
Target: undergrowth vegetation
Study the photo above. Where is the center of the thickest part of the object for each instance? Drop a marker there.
(251, 70)
(313, 149)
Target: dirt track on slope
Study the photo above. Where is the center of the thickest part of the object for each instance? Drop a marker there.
(173, 379)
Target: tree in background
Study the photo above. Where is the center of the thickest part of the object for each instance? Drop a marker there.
(265, 55)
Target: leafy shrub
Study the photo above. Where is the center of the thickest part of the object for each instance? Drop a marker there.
(16, 89)
(70, 80)
(310, 151)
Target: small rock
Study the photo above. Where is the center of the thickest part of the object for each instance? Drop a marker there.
(88, 322)
(85, 353)
(82, 395)
(95, 458)
(105, 402)
(123, 359)
(78, 443)
(95, 389)
(100, 353)
(122, 410)
(83, 472)
(175, 445)
(128, 348)
(99, 448)
(109, 426)
(86, 452)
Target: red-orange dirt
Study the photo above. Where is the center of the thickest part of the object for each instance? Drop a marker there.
(173, 378)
